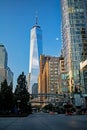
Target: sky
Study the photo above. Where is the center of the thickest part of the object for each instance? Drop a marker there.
(16, 20)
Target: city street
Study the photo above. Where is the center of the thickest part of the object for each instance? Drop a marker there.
(44, 121)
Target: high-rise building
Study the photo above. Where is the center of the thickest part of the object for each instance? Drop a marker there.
(62, 77)
(48, 77)
(35, 89)
(83, 76)
(83, 64)
(74, 19)
(35, 52)
(3, 56)
(5, 72)
(9, 76)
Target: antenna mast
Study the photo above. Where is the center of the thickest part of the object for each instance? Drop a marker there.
(36, 17)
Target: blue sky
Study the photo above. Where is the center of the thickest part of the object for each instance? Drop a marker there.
(17, 18)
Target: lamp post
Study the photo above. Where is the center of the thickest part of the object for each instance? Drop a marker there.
(18, 101)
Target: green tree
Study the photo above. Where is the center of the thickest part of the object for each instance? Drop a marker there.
(21, 92)
(6, 96)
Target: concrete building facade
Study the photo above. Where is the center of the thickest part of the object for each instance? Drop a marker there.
(48, 77)
(62, 77)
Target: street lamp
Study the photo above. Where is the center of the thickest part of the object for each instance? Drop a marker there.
(18, 101)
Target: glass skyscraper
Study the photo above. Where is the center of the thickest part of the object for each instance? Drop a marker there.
(74, 20)
(3, 57)
(5, 72)
(35, 52)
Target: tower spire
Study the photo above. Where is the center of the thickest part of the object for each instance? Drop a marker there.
(36, 18)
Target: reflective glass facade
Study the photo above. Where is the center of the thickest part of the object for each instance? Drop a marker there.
(35, 52)
(5, 72)
(3, 57)
(74, 18)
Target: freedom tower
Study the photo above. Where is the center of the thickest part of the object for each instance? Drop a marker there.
(35, 52)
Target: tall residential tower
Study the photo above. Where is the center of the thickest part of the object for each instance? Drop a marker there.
(35, 52)
(74, 20)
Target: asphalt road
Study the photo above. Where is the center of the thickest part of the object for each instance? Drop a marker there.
(44, 121)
